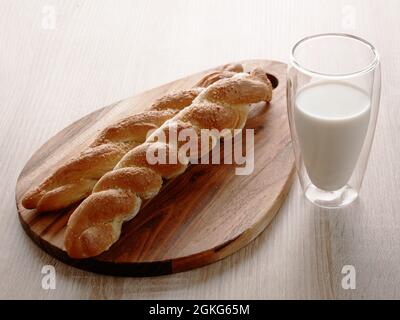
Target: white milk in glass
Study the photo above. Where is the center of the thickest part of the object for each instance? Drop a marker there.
(331, 121)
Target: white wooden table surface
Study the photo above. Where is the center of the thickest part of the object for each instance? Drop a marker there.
(54, 70)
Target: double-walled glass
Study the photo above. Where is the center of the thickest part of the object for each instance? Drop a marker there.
(333, 92)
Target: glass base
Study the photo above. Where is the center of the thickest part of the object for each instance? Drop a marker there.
(331, 199)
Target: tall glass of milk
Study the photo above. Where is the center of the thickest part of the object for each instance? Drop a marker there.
(333, 93)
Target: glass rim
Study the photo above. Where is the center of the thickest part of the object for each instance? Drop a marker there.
(368, 68)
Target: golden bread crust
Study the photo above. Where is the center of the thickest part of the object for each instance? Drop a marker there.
(92, 229)
(74, 180)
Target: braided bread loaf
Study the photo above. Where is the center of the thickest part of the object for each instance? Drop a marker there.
(75, 180)
(96, 224)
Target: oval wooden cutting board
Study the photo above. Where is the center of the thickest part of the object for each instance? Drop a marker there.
(202, 216)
